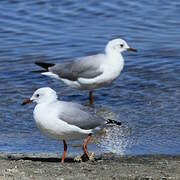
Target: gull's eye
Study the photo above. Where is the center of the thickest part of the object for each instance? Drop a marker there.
(37, 95)
(121, 45)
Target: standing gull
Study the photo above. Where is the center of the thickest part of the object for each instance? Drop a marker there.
(90, 72)
(65, 120)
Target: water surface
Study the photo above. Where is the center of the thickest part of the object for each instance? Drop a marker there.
(145, 97)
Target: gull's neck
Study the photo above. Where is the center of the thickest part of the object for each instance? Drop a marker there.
(48, 101)
(116, 57)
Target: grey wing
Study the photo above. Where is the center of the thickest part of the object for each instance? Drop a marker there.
(86, 67)
(80, 116)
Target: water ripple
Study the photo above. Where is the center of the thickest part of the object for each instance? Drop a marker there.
(145, 98)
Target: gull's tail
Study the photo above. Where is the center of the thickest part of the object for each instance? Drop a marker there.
(111, 121)
(44, 65)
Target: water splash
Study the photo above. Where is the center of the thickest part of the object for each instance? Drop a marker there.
(116, 139)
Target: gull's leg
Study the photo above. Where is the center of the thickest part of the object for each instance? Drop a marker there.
(84, 146)
(91, 98)
(64, 153)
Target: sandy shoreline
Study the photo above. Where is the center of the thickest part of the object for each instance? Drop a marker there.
(107, 166)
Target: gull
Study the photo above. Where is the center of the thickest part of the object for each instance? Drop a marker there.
(65, 120)
(90, 72)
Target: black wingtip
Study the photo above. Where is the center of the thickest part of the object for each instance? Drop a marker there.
(44, 65)
(110, 121)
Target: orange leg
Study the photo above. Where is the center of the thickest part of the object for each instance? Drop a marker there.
(91, 98)
(64, 153)
(84, 146)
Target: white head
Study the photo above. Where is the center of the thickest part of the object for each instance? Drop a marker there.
(118, 46)
(42, 95)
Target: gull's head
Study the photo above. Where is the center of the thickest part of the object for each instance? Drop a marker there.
(118, 46)
(42, 95)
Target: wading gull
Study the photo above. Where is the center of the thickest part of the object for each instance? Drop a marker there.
(65, 120)
(90, 72)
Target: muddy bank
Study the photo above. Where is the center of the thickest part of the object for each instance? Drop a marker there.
(107, 166)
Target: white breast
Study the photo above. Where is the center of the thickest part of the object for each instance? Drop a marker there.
(47, 120)
(111, 70)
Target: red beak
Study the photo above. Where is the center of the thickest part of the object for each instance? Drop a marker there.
(132, 49)
(27, 101)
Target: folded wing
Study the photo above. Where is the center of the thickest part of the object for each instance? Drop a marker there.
(87, 67)
(80, 116)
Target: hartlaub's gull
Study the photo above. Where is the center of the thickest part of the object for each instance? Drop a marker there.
(90, 72)
(65, 120)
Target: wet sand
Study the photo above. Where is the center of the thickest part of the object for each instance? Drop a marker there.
(107, 166)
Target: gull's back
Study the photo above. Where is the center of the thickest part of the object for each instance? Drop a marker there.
(84, 67)
(78, 115)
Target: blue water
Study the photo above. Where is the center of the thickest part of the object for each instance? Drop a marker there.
(146, 96)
